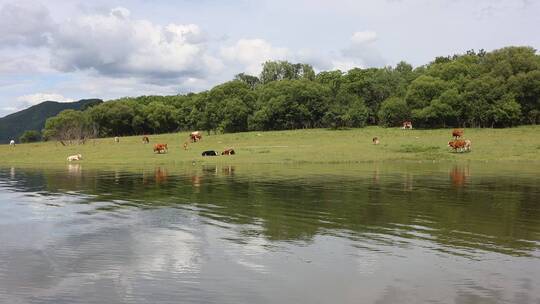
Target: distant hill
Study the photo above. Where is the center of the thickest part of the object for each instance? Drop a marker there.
(12, 126)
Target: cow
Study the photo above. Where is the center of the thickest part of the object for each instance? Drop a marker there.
(74, 157)
(145, 140)
(12, 142)
(457, 133)
(467, 145)
(160, 148)
(209, 153)
(229, 151)
(407, 125)
(376, 140)
(457, 145)
(195, 136)
(116, 139)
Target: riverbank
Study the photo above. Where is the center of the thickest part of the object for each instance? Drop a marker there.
(318, 146)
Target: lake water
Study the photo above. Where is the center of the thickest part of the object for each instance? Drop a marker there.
(373, 233)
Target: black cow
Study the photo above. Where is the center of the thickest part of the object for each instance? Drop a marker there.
(209, 153)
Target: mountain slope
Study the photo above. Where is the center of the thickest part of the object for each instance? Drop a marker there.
(12, 126)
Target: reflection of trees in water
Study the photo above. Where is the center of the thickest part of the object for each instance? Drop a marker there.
(493, 213)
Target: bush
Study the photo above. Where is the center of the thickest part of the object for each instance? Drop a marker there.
(30, 136)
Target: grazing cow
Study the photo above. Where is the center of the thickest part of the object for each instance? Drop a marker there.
(160, 148)
(457, 133)
(195, 136)
(74, 157)
(209, 153)
(457, 145)
(407, 125)
(376, 140)
(12, 142)
(145, 140)
(229, 151)
(116, 139)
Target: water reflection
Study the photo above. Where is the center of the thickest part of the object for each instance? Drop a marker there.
(374, 234)
(459, 175)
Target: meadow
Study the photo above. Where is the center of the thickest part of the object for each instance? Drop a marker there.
(317, 146)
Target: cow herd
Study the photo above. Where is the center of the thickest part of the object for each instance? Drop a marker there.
(458, 144)
(194, 137)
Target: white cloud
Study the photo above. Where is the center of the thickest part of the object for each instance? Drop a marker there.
(362, 52)
(116, 45)
(364, 37)
(33, 99)
(33, 62)
(26, 24)
(252, 53)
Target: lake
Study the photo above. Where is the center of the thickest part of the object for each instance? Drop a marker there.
(360, 233)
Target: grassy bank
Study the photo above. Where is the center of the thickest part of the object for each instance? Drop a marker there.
(297, 146)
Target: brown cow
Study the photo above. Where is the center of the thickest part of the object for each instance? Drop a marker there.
(195, 136)
(376, 140)
(145, 139)
(229, 151)
(160, 147)
(457, 133)
(457, 145)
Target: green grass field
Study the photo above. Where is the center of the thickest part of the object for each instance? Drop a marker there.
(318, 146)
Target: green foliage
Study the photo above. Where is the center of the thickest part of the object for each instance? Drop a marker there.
(30, 136)
(284, 70)
(68, 125)
(393, 112)
(475, 89)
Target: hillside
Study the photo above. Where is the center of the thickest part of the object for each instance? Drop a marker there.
(12, 126)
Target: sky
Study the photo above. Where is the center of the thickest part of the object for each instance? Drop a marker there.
(69, 50)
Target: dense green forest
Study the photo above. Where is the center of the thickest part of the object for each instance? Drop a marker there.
(477, 89)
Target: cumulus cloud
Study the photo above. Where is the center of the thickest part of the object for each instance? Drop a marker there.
(114, 44)
(33, 99)
(25, 24)
(252, 53)
(361, 52)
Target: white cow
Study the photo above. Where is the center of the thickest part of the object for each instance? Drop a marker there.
(12, 142)
(74, 157)
(467, 146)
(117, 139)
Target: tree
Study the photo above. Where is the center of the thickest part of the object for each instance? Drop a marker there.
(68, 125)
(30, 136)
(423, 90)
(235, 116)
(281, 70)
(393, 112)
(331, 79)
(251, 81)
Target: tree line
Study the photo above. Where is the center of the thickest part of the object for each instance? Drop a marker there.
(476, 89)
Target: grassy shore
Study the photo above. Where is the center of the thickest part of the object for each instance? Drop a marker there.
(318, 146)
